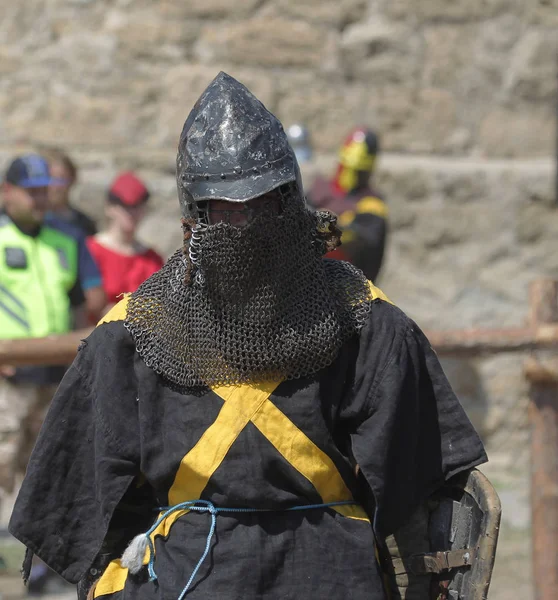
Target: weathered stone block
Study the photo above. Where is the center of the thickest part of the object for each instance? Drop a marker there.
(67, 57)
(532, 73)
(390, 110)
(11, 62)
(412, 184)
(482, 63)
(467, 383)
(159, 164)
(463, 188)
(517, 132)
(147, 35)
(543, 259)
(450, 10)
(69, 17)
(539, 186)
(448, 52)
(421, 122)
(382, 53)
(401, 216)
(337, 13)
(508, 413)
(215, 9)
(437, 228)
(432, 124)
(75, 118)
(329, 108)
(513, 186)
(265, 42)
(477, 303)
(536, 222)
(543, 12)
(498, 35)
(94, 110)
(25, 25)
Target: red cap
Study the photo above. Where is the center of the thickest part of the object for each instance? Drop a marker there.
(128, 190)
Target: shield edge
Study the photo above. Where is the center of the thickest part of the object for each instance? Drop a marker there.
(478, 486)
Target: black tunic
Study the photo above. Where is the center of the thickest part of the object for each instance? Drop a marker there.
(116, 428)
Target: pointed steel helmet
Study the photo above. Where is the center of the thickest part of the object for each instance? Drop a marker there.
(231, 148)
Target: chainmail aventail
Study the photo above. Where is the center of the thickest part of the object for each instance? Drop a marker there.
(256, 303)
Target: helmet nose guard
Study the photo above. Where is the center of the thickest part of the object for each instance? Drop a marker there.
(231, 148)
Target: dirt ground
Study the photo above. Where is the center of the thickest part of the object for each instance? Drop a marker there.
(11, 589)
(512, 571)
(11, 586)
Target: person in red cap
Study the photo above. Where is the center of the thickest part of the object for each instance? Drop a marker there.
(123, 261)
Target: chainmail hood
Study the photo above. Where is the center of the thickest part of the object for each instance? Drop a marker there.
(261, 304)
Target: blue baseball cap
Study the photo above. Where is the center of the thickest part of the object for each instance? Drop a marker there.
(29, 171)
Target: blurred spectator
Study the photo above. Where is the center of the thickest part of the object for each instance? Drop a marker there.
(362, 211)
(44, 271)
(87, 309)
(299, 139)
(42, 274)
(64, 173)
(124, 262)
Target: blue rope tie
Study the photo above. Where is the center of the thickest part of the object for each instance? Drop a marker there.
(203, 506)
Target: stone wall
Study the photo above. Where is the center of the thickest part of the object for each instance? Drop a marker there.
(459, 77)
(462, 91)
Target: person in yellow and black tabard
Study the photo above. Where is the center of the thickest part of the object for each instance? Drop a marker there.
(362, 211)
(205, 442)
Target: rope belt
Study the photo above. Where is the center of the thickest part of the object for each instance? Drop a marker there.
(143, 541)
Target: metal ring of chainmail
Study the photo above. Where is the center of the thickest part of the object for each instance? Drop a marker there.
(262, 304)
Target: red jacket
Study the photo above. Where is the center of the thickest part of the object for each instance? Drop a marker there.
(122, 273)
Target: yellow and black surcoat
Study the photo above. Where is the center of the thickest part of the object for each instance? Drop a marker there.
(117, 437)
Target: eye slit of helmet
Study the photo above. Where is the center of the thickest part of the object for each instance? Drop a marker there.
(240, 214)
(202, 210)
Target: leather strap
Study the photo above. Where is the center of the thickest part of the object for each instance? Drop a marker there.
(433, 562)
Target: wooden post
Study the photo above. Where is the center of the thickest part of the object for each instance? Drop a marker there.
(543, 416)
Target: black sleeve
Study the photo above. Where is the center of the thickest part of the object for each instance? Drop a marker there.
(414, 434)
(85, 459)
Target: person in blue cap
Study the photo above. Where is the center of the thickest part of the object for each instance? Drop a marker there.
(44, 271)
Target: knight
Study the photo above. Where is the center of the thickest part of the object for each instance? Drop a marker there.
(255, 420)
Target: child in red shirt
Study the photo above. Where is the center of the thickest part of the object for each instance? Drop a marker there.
(123, 261)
